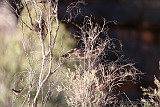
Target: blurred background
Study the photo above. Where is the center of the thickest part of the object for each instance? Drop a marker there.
(138, 27)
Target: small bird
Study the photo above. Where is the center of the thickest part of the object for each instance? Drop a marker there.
(66, 56)
(17, 92)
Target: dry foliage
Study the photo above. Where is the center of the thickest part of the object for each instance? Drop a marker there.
(101, 68)
(152, 96)
(101, 65)
(39, 19)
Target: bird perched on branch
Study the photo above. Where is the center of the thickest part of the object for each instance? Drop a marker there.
(80, 54)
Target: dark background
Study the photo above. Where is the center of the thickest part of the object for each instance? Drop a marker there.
(138, 27)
